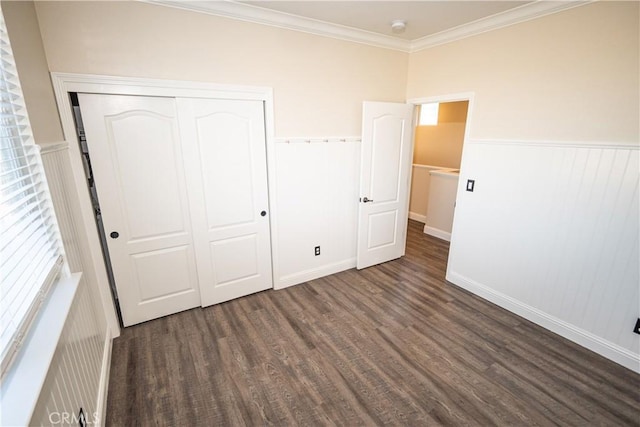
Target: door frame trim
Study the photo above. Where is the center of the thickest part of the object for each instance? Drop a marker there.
(453, 97)
(64, 83)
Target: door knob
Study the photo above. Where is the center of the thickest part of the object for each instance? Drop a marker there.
(114, 234)
(263, 213)
(366, 200)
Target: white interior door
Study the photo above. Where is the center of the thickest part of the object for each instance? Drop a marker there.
(138, 168)
(224, 144)
(384, 182)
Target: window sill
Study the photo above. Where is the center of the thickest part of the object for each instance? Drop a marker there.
(21, 386)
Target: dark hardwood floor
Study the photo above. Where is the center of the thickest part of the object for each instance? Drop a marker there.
(393, 344)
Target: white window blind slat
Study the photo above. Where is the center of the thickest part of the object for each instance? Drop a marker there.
(9, 156)
(36, 236)
(15, 213)
(10, 137)
(7, 181)
(38, 268)
(23, 246)
(20, 230)
(11, 208)
(30, 248)
(14, 195)
(16, 234)
(11, 147)
(17, 294)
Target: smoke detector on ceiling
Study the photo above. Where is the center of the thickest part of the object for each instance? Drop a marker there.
(398, 26)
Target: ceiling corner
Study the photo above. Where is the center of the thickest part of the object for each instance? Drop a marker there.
(260, 15)
(513, 16)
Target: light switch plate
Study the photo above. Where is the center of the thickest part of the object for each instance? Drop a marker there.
(470, 184)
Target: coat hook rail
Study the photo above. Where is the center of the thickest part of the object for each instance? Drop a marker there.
(314, 140)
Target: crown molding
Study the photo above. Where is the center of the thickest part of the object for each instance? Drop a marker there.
(260, 15)
(250, 13)
(523, 13)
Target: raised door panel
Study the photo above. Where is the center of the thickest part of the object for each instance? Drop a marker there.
(386, 159)
(226, 138)
(227, 169)
(163, 272)
(136, 136)
(239, 256)
(382, 229)
(138, 168)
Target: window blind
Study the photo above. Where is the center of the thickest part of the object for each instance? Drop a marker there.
(30, 250)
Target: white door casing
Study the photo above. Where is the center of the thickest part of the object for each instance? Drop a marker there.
(387, 149)
(137, 162)
(224, 146)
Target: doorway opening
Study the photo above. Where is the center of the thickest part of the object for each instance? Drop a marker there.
(439, 137)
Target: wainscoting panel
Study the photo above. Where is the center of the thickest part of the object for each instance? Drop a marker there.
(78, 374)
(317, 205)
(73, 380)
(551, 232)
(54, 159)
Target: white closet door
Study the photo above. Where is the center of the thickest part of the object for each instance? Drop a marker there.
(138, 168)
(224, 146)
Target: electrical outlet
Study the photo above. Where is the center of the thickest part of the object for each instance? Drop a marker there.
(636, 328)
(317, 250)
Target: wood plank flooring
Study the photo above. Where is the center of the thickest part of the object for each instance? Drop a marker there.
(390, 345)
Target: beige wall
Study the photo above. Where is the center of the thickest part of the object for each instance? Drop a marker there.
(26, 43)
(441, 145)
(319, 83)
(419, 196)
(453, 112)
(568, 76)
(441, 204)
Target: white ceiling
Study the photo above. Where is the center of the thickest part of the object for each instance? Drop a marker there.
(429, 22)
(423, 18)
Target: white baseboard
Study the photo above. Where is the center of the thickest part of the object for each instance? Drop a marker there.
(436, 232)
(417, 217)
(314, 273)
(584, 338)
(101, 404)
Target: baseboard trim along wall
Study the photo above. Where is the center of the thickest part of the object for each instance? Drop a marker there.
(418, 217)
(584, 338)
(103, 388)
(551, 233)
(436, 232)
(316, 198)
(314, 273)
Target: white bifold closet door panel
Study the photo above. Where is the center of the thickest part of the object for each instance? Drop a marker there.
(183, 183)
(138, 167)
(224, 146)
